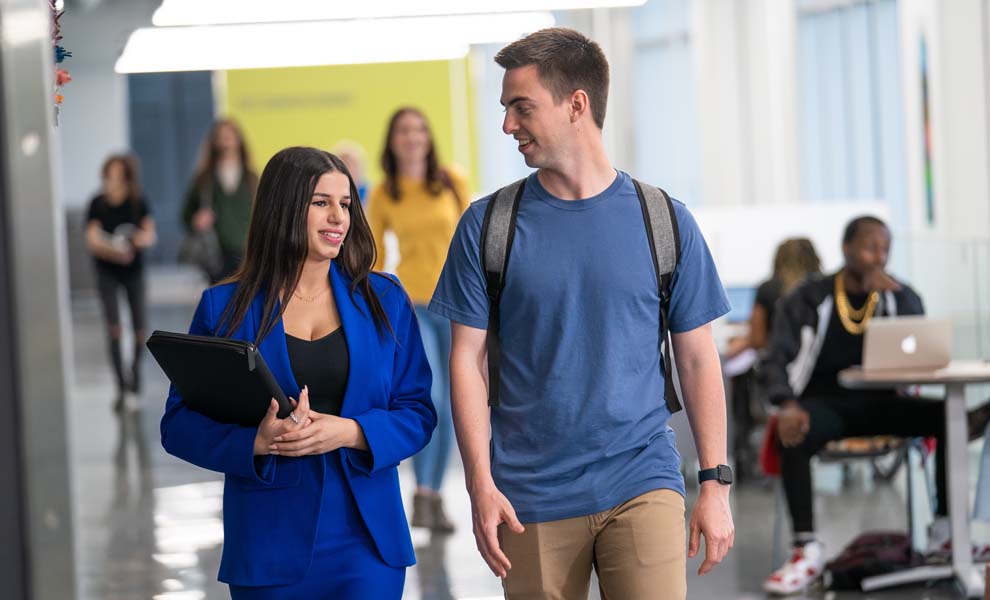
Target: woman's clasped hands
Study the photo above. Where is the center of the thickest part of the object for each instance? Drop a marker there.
(315, 432)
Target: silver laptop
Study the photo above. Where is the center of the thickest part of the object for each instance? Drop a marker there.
(915, 342)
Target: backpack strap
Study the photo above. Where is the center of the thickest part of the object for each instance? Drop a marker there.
(497, 232)
(665, 243)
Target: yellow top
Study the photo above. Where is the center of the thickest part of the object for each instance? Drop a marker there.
(423, 224)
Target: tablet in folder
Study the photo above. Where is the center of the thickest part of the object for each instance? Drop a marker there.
(226, 380)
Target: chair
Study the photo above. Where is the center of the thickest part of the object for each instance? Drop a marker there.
(872, 448)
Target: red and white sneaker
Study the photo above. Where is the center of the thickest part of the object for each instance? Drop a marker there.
(804, 567)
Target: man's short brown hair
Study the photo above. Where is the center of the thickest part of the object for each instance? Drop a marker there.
(566, 61)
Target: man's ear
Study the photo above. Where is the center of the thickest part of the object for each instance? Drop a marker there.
(580, 104)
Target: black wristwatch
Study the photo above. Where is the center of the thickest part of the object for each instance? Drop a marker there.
(721, 473)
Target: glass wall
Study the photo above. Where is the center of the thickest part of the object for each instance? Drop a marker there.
(664, 96)
(851, 114)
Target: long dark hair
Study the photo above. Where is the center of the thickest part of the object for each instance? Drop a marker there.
(277, 241)
(437, 178)
(132, 174)
(209, 156)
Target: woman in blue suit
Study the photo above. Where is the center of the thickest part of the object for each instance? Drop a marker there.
(312, 507)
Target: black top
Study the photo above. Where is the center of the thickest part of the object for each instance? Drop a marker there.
(322, 365)
(120, 221)
(767, 295)
(840, 350)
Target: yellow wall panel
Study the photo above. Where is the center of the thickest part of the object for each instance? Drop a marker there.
(318, 106)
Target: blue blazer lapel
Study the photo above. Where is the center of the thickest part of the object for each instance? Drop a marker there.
(360, 332)
(274, 349)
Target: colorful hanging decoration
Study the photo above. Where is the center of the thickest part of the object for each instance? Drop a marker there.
(62, 76)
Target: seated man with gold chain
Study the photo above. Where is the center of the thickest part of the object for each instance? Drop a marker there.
(817, 332)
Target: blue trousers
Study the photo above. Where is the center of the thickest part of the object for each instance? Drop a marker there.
(431, 463)
(346, 564)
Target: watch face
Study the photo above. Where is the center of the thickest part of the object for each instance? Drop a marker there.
(724, 474)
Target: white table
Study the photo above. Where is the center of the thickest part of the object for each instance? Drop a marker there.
(954, 377)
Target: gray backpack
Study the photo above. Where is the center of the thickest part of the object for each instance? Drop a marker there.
(498, 231)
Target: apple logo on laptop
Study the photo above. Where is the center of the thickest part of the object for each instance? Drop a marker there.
(909, 345)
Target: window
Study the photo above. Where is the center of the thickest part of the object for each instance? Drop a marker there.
(666, 141)
(851, 109)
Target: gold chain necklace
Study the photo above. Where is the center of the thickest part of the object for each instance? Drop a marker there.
(853, 320)
(308, 298)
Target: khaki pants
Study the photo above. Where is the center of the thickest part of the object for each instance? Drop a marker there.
(638, 549)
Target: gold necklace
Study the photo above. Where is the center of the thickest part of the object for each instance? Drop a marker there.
(309, 298)
(853, 320)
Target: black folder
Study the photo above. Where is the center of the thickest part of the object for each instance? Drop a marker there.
(226, 380)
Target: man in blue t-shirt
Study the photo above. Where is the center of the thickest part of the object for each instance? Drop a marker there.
(579, 449)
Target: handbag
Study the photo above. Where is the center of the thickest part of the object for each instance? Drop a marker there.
(202, 248)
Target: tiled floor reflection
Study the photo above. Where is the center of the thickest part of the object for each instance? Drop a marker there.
(149, 526)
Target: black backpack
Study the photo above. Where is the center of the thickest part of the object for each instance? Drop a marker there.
(498, 231)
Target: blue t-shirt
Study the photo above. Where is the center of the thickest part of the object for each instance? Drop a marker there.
(582, 424)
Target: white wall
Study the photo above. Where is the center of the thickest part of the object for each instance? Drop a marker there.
(771, 48)
(746, 73)
(958, 99)
(726, 163)
(950, 258)
(743, 239)
(92, 124)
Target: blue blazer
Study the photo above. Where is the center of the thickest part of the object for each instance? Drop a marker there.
(271, 504)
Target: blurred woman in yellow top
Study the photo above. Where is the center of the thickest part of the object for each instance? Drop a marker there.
(421, 203)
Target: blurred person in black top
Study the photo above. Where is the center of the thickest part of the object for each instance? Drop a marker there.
(118, 227)
(794, 260)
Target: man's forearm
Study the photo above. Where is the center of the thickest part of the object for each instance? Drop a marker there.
(704, 400)
(469, 405)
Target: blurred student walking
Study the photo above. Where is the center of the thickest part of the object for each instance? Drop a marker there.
(421, 201)
(219, 197)
(118, 227)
